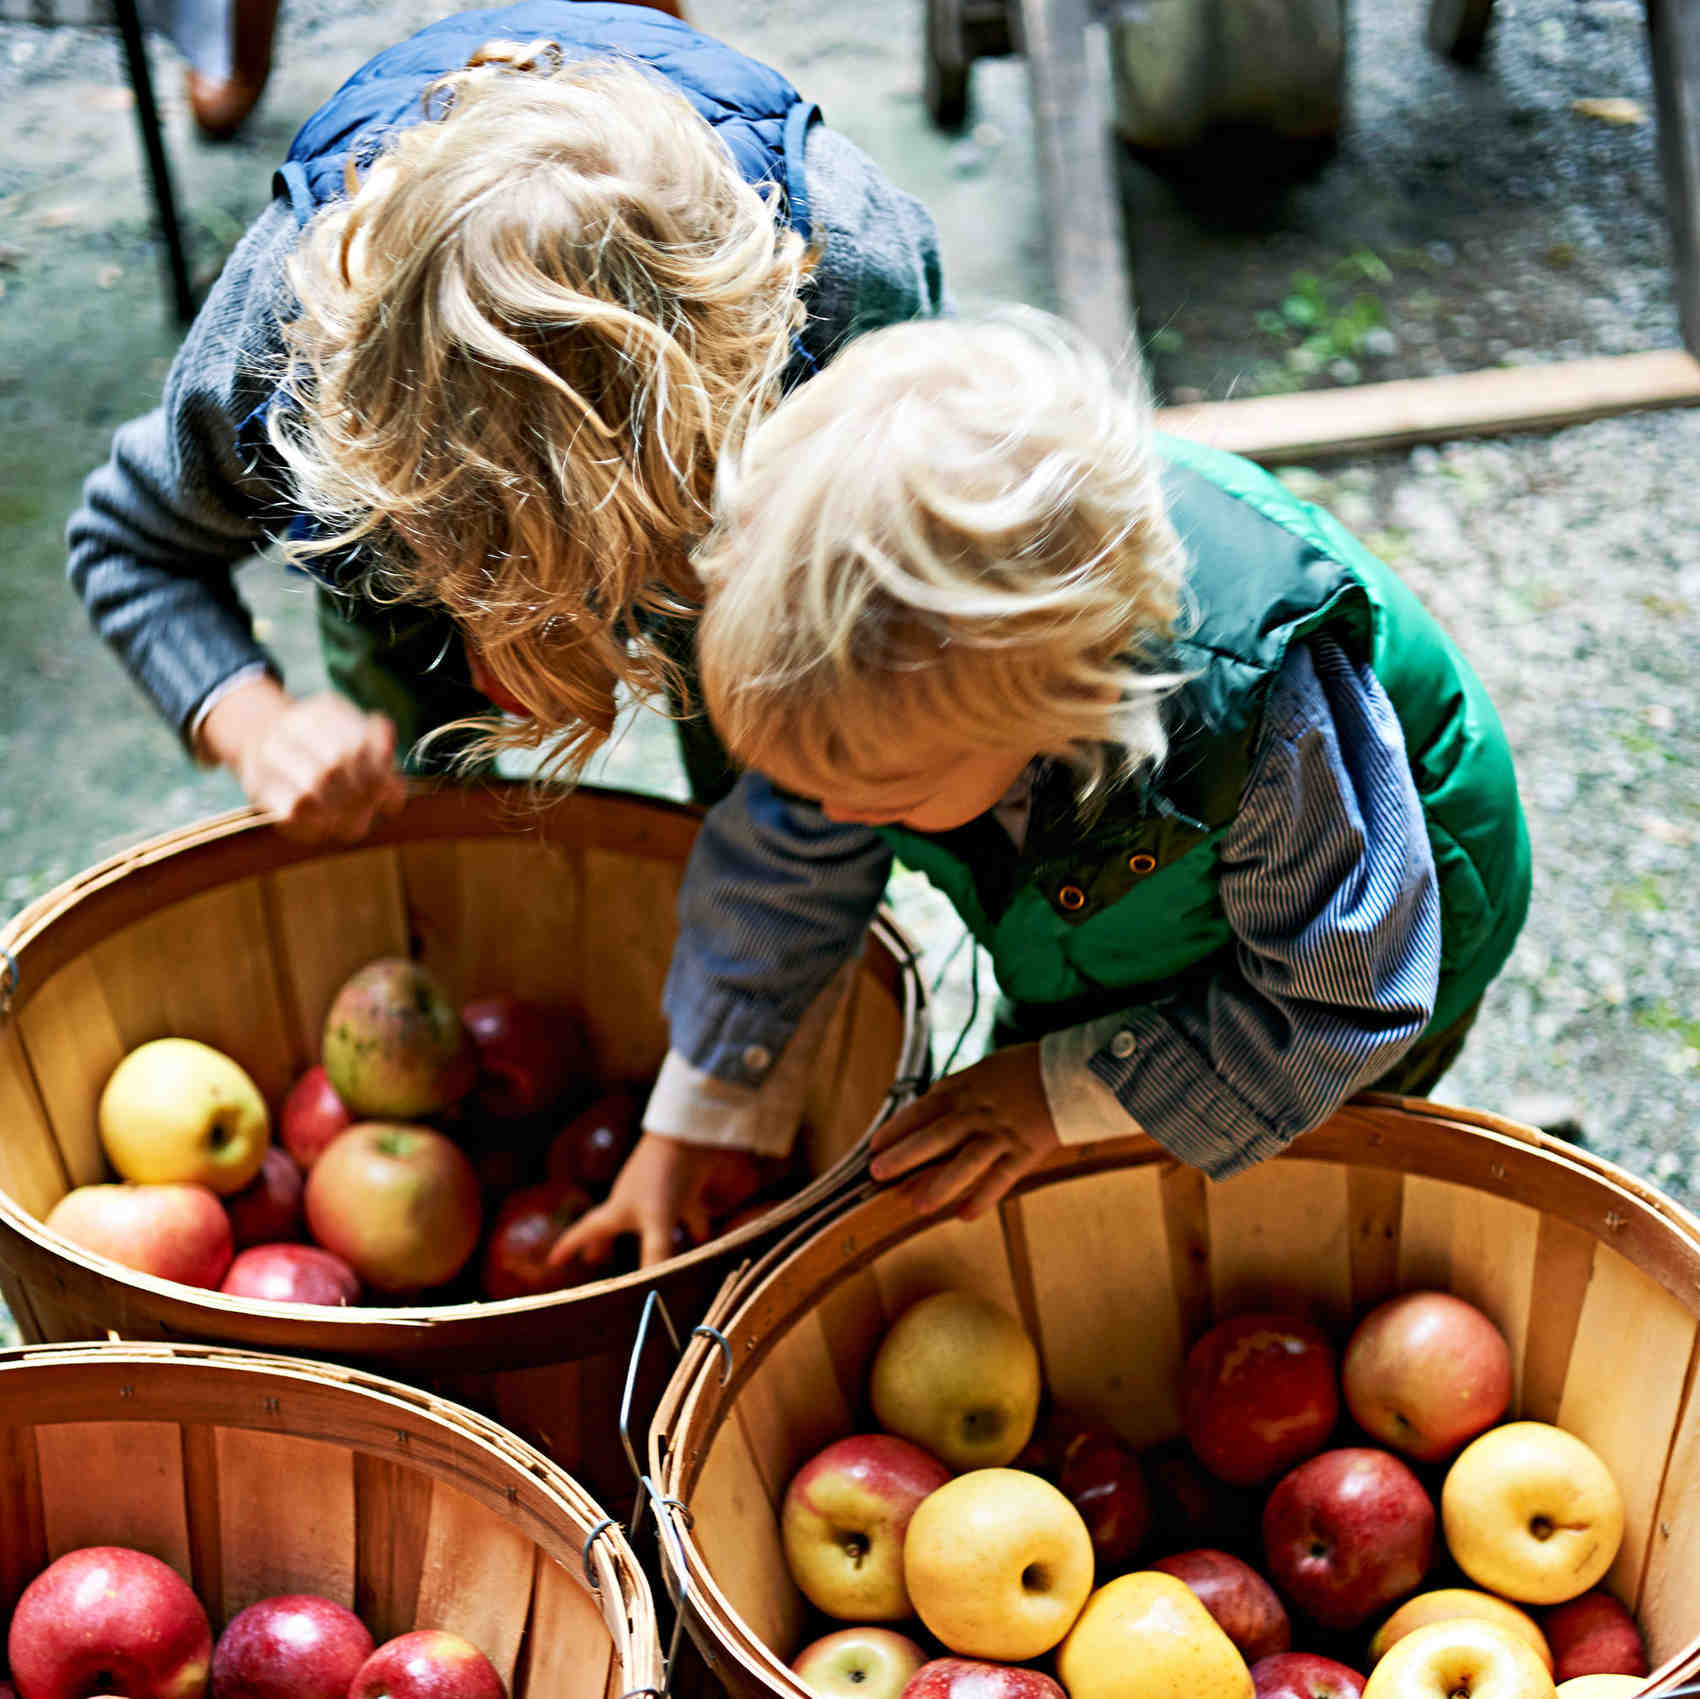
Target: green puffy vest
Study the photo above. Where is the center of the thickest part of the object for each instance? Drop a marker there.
(1085, 914)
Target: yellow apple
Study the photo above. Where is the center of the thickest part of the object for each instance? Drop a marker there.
(1601, 1686)
(1531, 1512)
(1445, 1603)
(958, 1375)
(1148, 1636)
(176, 1111)
(1461, 1655)
(997, 1564)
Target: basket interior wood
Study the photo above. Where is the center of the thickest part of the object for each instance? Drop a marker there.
(242, 942)
(1117, 1268)
(251, 1477)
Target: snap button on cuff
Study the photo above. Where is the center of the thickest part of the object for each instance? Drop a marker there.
(756, 1058)
(1123, 1045)
(1142, 863)
(1072, 898)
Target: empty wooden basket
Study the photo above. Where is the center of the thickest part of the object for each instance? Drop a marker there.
(1117, 1258)
(255, 1475)
(228, 933)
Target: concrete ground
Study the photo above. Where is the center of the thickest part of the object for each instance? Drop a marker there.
(1491, 221)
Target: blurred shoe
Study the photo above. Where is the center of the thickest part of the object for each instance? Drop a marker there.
(221, 108)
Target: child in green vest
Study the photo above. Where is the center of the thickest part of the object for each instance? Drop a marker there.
(1234, 818)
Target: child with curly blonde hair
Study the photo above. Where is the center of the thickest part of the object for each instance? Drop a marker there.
(1234, 818)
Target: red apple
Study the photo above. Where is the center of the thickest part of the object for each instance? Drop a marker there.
(429, 1663)
(1347, 1533)
(966, 1678)
(593, 1146)
(1593, 1634)
(291, 1646)
(398, 1203)
(292, 1274)
(268, 1209)
(858, 1663)
(527, 1226)
(173, 1232)
(1258, 1392)
(1100, 1475)
(108, 1619)
(1425, 1372)
(394, 1045)
(529, 1054)
(312, 1115)
(1242, 1602)
(844, 1519)
(1304, 1675)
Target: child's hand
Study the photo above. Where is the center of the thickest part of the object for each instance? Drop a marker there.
(980, 1130)
(665, 1181)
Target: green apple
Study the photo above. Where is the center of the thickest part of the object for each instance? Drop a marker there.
(176, 1111)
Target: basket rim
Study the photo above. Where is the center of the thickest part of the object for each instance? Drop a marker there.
(751, 1312)
(435, 810)
(43, 1385)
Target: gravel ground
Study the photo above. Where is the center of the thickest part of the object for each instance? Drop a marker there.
(1511, 228)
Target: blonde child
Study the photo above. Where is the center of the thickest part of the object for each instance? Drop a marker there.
(1234, 818)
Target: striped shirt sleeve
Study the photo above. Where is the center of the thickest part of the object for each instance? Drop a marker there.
(1329, 886)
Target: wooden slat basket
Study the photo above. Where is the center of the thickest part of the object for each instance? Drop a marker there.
(1117, 1257)
(419, 1513)
(228, 933)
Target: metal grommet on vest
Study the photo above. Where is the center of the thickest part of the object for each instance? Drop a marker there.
(1142, 863)
(1072, 898)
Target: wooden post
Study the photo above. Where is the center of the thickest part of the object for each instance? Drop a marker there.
(1673, 28)
(1076, 175)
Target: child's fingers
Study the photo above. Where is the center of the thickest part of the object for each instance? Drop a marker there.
(926, 1144)
(656, 1242)
(923, 1110)
(590, 1238)
(949, 1180)
(990, 1188)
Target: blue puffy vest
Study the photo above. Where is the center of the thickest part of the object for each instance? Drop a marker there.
(758, 114)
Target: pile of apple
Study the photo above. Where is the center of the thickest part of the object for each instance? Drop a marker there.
(432, 1151)
(1263, 1555)
(111, 1622)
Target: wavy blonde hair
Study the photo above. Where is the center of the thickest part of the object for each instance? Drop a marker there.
(957, 527)
(520, 341)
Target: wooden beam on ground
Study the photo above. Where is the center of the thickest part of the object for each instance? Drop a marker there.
(1673, 29)
(1285, 429)
(1076, 174)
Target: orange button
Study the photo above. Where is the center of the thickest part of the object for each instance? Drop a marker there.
(1072, 897)
(1142, 864)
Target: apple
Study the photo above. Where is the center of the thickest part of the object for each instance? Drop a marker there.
(1531, 1512)
(292, 1274)
(997, 1563)
(398, 1203)
(1447, 1602)
(1425, 1372)
(176, 1111)
(1192, 1507)
(957, 1374)
(1304, 1675)
(529, 1054)
(526, 1228)
(394, 1045)
(268, 1209)
(1101, 1477)
(858, 1663)
(1593, 1634)
(965, 1678)
(1055, 1430)
(109, 1619)
(1346, 1533)
(1238, 1597)
(290, 1646)
(844, 1519)
(593, 1146)
(1461, 1655)
(311, 1116)
(1600, 1687)
(172, 1232)
(1258, 1393)
(428, 1663)
(1145, 1634)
